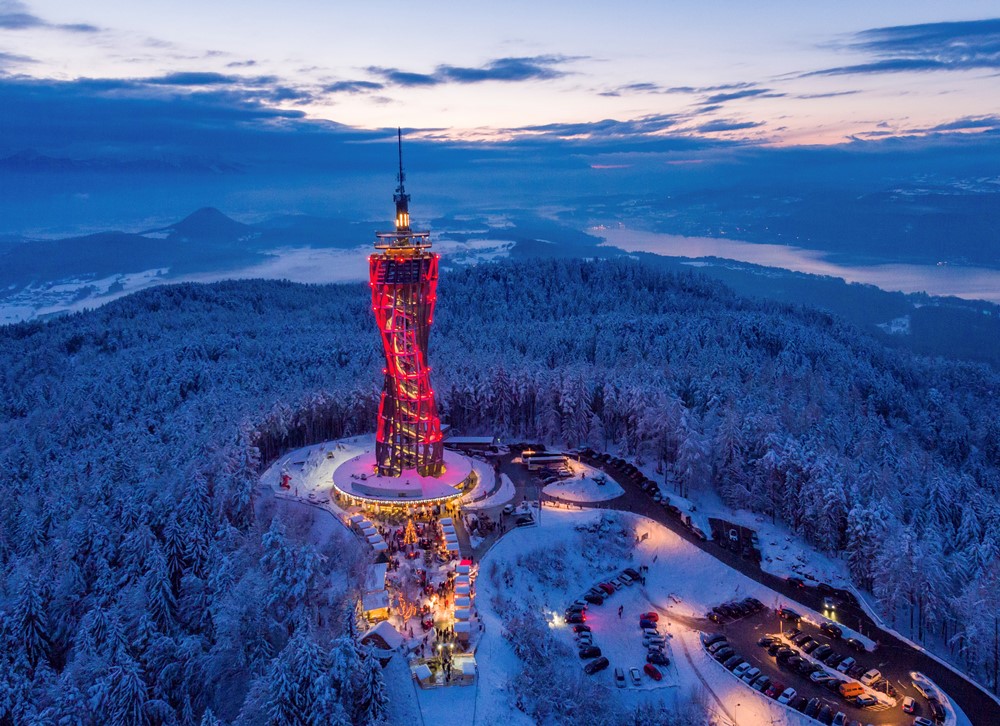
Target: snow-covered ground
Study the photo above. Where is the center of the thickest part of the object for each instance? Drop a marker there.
(954, 716)
(587, 485)
(503, 495)
(551, 565)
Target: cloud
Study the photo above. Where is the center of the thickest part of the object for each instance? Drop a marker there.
(743, 93)
(353, 87)
(241, 64)
(951, 46)
(657, 88)
(14, 15)
(539, 68)
(193, 78)
(11, 59)
(719, 125)
(511, 69)
(407, 79)
(606, 128)
(970, 123)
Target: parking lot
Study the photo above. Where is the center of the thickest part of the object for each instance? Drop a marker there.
(743, 634)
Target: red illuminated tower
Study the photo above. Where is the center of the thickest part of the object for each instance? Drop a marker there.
(403, 279)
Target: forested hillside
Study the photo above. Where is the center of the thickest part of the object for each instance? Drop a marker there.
(138, 576)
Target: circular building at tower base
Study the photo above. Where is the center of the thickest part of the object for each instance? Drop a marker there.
(357, 481)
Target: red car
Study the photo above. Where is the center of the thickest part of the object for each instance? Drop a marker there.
(655, 617)
(775, 690)
(652, 671)
(608, 588)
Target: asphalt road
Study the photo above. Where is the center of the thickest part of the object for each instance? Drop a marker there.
(979, 706)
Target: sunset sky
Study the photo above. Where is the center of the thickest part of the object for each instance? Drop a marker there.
(774, 72)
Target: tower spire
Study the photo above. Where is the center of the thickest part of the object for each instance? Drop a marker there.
(401, 198)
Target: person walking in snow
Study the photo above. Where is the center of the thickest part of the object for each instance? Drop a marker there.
(621, 609)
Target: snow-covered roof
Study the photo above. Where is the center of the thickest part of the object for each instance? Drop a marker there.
(461, 589)
(422, 672)
(447, 520)
(463, 568)
(451, 546)
(375, 600)
(380, 546)
(468, 667)
(463, 602)
(463, 627)
(375, 577)
(357, 478)
(387, 633)
(462, 580)
(462, 613)
(355, 518)
(375, 538)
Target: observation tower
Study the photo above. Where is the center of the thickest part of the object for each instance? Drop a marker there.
(410, 464)
(403, 276)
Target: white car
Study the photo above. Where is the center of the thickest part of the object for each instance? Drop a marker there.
(751, 675)
(636, 676)
(870, 677)
(627, 579)
(787, 696)
(584, 638)
(619, 677)
(618, 583)
(845, 665)
(819, 676)
(742, 668)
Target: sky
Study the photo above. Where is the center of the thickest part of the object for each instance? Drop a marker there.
(773, 72)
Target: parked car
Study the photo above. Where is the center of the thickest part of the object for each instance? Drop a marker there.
(786, 655)
(590, 651)
(643, 623)
(865, 701)
(607, 587)
(812, 708)
(635, 676)
(834, 659)
(633, 574)
(845, 665)
(822, 652)
(717, 645)
(761, 684)
(765, 641)
(774, 648)
(820, 676)
(593, 599)
(653, 616)
(656, 657)
(840, 719)
(856, 645)
(832, 630)
(909, 705)
(811, 646)
(825, 715)
(833, 685)
(870, 677)
(708, 640)
(724, 654)
(921, 721)
(619, 677)
(626, 578)
(794, 632)
(581, 628)
(598, 664)
(937, 710)
(775, 689)
(795, 581)
(789, 614)
(750, 674)
(652, 671)
(799, 703)
(787, 695)
(742, 668)
(732, 661)
(801, 639)
(576, 617)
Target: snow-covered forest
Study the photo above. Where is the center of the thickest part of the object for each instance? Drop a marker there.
(141, 577)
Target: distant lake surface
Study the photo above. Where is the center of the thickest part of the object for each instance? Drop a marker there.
(972, 283)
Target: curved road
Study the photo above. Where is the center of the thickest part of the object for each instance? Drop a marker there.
(978, 705)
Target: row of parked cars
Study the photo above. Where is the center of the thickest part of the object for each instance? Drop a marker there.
(719, 648)
(735, 610)
(790, 659)
(654, 643)
(603, 590)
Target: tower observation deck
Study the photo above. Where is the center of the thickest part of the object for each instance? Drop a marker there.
(403, 277)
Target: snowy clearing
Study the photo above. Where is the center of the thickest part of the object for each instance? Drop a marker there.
(587, 485)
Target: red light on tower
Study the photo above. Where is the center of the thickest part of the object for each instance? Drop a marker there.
(403, 278)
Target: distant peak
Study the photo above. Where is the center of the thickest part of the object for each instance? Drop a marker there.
(208, 222)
